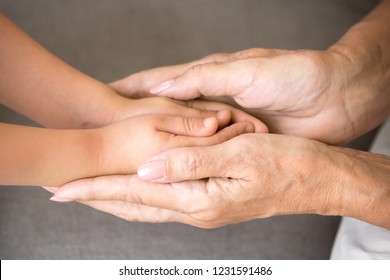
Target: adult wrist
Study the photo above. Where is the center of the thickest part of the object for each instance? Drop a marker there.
(363, 84)
(360, 184)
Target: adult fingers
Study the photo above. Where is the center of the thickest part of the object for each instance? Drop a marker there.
(115, 187)
(182, 164)
(137, 85)
(137, 213)
(255, 52)
(210, 79)
(50, 189)
(180, 197)
(141, 213)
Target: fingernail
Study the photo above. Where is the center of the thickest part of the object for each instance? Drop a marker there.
(161, 87)
(152, 170)
(49, 189)
(60, 199)
(208, 122)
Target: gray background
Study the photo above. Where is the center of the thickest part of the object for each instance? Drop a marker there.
(111, 39)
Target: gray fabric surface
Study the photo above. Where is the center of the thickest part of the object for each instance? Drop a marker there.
(111, 39)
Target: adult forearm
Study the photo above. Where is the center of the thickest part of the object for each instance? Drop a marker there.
(355, 184)
(39, 85)
(39, 156)
(364, 53)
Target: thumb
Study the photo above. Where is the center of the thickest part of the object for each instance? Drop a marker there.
(183, 164)
(137, 85)
(210, 79)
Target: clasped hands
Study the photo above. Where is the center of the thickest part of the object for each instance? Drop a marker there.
(240, 173)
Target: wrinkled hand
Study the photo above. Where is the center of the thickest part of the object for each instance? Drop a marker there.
(301, 93)
(248, 177)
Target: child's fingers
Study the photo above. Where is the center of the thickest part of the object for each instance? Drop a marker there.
(189, 109)
(163, 106)
(188, 126)
(223, 115)
(237, 115)
(220, 137)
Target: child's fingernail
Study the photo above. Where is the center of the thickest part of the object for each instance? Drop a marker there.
(208, 122)
(152, 170)
(161, 87)
(60, 199)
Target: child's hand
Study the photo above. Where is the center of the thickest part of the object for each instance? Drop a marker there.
(125, 145)
(224, 113)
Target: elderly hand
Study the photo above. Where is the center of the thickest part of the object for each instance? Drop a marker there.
(306, 93)
(248, 177)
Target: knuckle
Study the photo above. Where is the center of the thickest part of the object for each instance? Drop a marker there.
(194, 75)
(189, 126)
(130, 195)
(195, 71)
(246, 53)
(215, 57)
(192, 162)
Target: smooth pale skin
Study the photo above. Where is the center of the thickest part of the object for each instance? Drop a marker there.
(332, 96)
(37, 84)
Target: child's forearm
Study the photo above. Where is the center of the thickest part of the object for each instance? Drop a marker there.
(39, 156)
(42, 87)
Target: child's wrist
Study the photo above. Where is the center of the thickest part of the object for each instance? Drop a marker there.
(86, 154)
(104, 110)
(110, 153)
